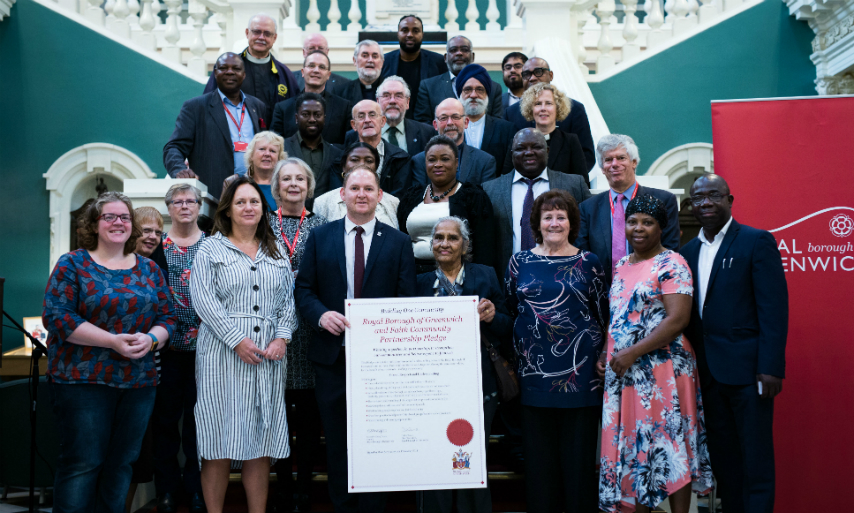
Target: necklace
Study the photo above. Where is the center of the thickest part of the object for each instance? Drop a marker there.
(441, 196)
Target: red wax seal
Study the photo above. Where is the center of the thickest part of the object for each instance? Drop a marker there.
(460, 432)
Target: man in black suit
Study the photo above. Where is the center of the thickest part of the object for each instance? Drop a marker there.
(433, 91)
(511, 68)
(368, 122)
(603, 221)
(534, 71)
(410, 62)
(393, 95)
(215, 129)
(738, 329)
(317, 69)
(317, 43)
(308, 143)
(484, 132)
(368, 59)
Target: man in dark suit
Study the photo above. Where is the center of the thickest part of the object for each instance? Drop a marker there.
(308, 143)
(393, 167)
(410, 62)
(368, 59)
(576, 123)
(355, 257)
(393, 95)
(511, 68)
(603, 221)
(317, 43)
(738, 329)
(266, 78)
(215, 129)
(473, 166)
(434, 91)
(316, 68)
(530, 178)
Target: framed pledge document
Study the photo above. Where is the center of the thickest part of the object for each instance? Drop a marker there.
(414, 394)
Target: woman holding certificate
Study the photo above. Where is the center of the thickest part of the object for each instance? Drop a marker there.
(559, 297)
(455, 275)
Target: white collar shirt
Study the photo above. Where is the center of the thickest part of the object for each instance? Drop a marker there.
(517, 196)
(708, 252)
(350, 247)
(474, 132)
(401, 134)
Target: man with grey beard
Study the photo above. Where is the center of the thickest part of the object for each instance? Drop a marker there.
(368, 59)
(432, 91)
(484, 132)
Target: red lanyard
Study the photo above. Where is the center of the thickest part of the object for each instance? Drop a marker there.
(611, 199)
(242, 113)
(291, 246)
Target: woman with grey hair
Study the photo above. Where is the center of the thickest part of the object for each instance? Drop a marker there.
(292, 223)
(455, 275)
(263, 153)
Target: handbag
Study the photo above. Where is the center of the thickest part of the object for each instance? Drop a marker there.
(505, 376)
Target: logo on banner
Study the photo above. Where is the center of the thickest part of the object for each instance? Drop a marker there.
(841, 225)
(818, 252)
(460, 432)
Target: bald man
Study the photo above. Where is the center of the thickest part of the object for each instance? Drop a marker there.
(317, 43)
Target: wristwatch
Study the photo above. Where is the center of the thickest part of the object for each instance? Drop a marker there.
(154, 341)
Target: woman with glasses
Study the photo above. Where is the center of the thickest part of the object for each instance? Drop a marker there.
(106, 310)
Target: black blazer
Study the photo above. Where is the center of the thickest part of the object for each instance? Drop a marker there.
(505, 100)
(594, 234)
(352, 90)
(202, 137)
(565, 156)
(470, 203)
(338, 114)
(321, 284)
(480, 281)
(576, 123)
(394, 175)
(331, 163)
(335, 81)
(435, 90)
(417, 135)
(432, 64)
(476, 166)
(497, 138)
(746, 311)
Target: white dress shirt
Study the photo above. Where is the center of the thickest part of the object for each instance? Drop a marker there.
(708, 251)
(474, 132)
(513, 99)
(350, 247)
(381, 151)
(517, 197)
(454, 85)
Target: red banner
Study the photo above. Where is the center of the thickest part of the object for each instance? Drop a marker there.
(790, 166)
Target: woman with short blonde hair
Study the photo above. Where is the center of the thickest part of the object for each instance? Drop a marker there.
(265, 150)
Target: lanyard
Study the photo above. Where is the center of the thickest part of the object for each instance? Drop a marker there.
(611, 200)
(242, 113)
(291, 246)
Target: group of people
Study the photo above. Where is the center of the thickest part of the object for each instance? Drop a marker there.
(668, 361)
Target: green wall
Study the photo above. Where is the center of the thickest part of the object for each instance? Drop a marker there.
(64, 86)
(664, 101)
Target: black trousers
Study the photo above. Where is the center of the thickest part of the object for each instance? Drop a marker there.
(560, 459)
(331, 390)
(176, 396)
(304, 423)
(741, 446)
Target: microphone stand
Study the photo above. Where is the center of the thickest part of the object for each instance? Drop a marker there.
(38, 350)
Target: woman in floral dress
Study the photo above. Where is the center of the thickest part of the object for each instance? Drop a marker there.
(653, 432)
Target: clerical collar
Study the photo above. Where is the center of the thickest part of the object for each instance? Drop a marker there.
(547, 136)
(256, 60)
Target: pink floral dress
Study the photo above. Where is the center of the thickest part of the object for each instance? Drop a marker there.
(653, 431)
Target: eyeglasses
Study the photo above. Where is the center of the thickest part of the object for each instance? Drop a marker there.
(699, 199)
(321, 67)
(480, 90)
(537, 72)
(111, 218)
(181, 203)
(259, 33)
(510, 67)
(444, 119)
(149, 231)
(389, 96)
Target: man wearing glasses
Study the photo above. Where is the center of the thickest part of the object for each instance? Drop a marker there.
(317, 43)
(537, 70)
(511, 68)
(266, 78)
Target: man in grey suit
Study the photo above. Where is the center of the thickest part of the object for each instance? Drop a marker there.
(473, 166)
(433, 91)
(317, 43)
(532, 177)
(603, 222)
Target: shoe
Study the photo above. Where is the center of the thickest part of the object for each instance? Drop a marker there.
(197, 504)
(302, 503)
(166, 503)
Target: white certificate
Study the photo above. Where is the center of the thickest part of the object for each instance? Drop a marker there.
(414, 394)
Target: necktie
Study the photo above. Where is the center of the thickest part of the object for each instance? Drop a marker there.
(618, 233)
(525, 222)
(359, 264)
(392, 136)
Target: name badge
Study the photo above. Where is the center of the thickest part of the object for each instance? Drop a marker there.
(240, 146)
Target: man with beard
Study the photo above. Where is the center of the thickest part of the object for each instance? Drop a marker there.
(316, 70)
(484, 132)
(368, 59)
(410, 62)
(317, 43)
(459, 54)
(473, 165)
(266, 78)
(511, 67)
(410, 136)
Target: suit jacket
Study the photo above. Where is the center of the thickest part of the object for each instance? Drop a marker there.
(338, 114)
(745, 314)
(497, 138)
(476, 166)
(321, 283)
(435, 90)
(202, 137)
(576, 123)
(335, 81)
(417, 135)
(505, 101)
(394, 175)
(352, 90)
(565, 156)
(331, 162)
(499, 192)
(432, 64)
(595, 232)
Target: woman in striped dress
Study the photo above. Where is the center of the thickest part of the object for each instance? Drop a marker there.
(242, 289)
